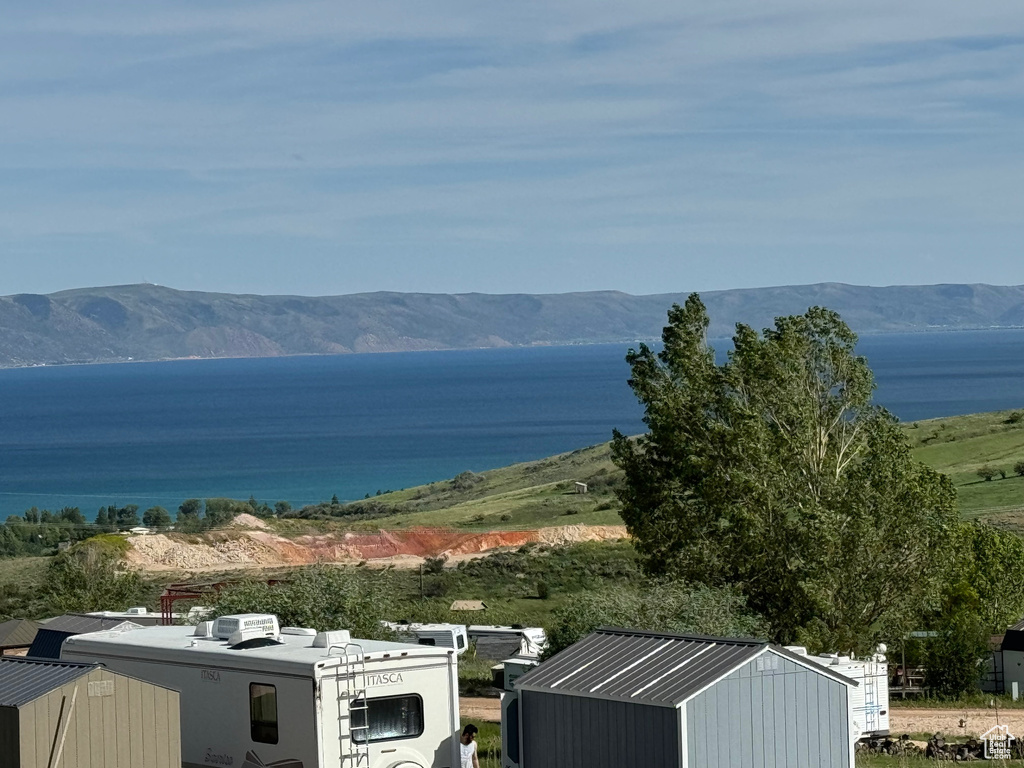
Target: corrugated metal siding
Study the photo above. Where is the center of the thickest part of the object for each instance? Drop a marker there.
(786, 717)
(135, 727)
(47, 643)
(565, 731)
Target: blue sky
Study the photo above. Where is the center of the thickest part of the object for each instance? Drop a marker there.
(644, 146)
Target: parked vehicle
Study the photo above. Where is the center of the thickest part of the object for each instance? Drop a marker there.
(254, 694)
(439, 635)
(494, 642)
(869, 701)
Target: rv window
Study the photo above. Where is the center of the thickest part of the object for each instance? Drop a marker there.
(461, 641)
(263, 713)
(391, 718)
(427, 641)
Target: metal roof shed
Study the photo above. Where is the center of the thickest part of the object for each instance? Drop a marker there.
(55, 713)
(628, 698)
(16, 636)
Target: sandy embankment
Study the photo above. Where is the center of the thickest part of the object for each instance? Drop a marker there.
(252, 545)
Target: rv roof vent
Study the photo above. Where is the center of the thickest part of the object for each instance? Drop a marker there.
(304, 631)
(244, 639)
(328, 639)
(265, 624)
(136, 611)
(204, 629)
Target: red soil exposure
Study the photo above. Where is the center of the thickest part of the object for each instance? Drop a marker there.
(419, 542)
(248, 548)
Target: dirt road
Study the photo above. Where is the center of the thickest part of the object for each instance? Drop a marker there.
(485, 710)
(948, 721)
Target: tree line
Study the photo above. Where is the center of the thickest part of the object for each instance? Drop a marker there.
(40, 532)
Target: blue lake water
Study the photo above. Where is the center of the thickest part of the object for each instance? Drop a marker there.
(304, 428)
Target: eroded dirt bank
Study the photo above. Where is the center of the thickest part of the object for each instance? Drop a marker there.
(253, 545)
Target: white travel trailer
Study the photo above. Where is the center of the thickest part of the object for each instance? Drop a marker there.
(254, 695)
(494, 642)
(440, 635)
(869, 701)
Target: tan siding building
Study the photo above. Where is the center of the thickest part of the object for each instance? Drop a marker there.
(61, 715)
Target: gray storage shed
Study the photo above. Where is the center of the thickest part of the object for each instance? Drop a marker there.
(622, 698)
(59, 714)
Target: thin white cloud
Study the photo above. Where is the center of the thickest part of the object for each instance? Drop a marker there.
(511, 141)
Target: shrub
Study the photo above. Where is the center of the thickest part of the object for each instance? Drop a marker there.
(465, 480)
(434, 565)
(320, 597)
(543, 592)
(664, 606)
(1015, 418)
(1019, 468)
(986, 472)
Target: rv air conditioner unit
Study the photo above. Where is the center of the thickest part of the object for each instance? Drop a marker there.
(250, 624)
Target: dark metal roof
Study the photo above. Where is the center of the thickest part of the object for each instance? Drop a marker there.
(17, 633)
(648, 667)
(25, 680)
(54, 632)
(80, 623)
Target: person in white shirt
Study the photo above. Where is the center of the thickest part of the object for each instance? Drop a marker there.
(467, 747)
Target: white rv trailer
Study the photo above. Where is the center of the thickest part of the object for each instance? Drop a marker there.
(531, 640)
(869, 700)
(254, 695)
(440, 635)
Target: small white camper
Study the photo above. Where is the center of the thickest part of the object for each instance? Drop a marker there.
(254, 694)
(869, 701)
(439, 635)
(494, 642)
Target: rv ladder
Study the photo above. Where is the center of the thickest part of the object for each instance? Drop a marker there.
(871, 708)
(353, 708)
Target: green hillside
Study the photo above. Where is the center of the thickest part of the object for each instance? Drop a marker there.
(529, 495)
(540, 493)
(961, 445)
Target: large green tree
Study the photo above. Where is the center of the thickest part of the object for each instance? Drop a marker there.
(773, 473)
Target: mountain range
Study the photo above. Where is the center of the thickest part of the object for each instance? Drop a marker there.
(151, 322)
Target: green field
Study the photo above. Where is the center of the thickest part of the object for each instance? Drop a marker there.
(540, 493)
(528, 495)
(961, 445)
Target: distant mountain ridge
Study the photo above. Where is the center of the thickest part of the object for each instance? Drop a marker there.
(150, 322)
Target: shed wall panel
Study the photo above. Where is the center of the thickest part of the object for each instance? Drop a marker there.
(770, 713)
(10, 740)
(566, 731)
(92, 727)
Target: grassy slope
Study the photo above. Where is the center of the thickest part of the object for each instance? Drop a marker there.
(960, 445)
(528, 495)
(540, 492)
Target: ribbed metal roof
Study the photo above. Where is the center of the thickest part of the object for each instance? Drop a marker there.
(80, 623)
(54, 632)
(17, 632)
(25, 680)
(645, 667)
